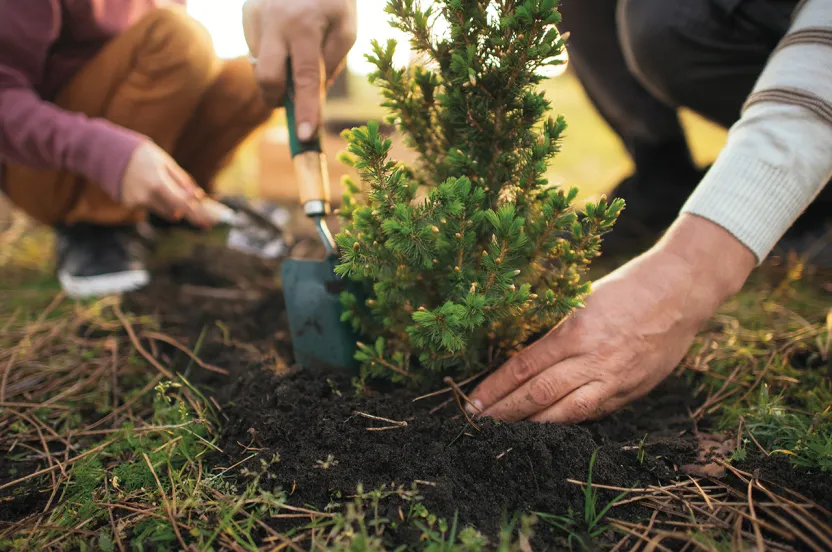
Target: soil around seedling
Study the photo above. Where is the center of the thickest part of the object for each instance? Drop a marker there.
(327, 446)
(320, 430)
(313, 437)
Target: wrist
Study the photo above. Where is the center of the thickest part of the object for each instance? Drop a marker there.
(719, 264)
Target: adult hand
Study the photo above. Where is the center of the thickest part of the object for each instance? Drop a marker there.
(154, 181)
(313, 33)
(637, 325)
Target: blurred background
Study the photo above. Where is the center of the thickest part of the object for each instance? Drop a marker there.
(592, 157)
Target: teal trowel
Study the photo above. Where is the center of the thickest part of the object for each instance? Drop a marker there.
(311, 287)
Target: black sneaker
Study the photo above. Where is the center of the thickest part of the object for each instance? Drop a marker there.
(94, 261)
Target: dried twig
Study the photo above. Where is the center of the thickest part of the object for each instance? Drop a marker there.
(439, 407)
(99, 448)
(227, 294)
(128, 327)
(458, 394)
(394, 424)
(759, 446)
(449, 389)
(307, 512)
(703, 493)
(112, 520)
(461, 393)
(754, 521)
(167, 505)
(171, 341)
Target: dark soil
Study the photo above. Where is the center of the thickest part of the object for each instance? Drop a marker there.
(778, 469)
(483, 473)
(233, 304)
(326, 450)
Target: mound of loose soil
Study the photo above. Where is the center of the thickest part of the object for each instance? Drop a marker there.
(778, 469)
(484, 473)
(311, 423)
(326, 449)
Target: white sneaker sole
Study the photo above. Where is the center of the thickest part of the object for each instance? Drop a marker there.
(103, 285)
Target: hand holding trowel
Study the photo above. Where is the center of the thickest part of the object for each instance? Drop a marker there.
(255, 229)
(311, 288)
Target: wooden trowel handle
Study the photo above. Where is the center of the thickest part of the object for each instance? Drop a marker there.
(308, 158)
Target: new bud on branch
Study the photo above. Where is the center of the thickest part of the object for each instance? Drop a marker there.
(494, 254)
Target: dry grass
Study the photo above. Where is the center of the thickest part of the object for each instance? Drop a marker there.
(104, 443)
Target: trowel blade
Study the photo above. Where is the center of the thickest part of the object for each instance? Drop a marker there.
(312, 292)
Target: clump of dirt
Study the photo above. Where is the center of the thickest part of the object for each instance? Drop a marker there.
(310, 421)
(778, 469)
(317, 428)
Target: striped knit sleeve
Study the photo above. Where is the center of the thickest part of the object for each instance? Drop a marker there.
(779, 154)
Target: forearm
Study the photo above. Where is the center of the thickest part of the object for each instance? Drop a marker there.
(714, 262)
(779, 155)
(38, 134)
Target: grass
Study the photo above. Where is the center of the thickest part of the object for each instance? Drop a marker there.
(765, 369)
(131, 459)
(586, 528)
(128, 453)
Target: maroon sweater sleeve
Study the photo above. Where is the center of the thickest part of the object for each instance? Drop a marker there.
(36, 133)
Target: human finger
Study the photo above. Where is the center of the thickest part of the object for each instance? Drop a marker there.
(253, 25)
(541, 391)
(184, 181)
(166, 199)
(519, 369)
(587, 402)
(623, 398)
(190, 198)
(305, 51)
(270, 69)
(339, 41)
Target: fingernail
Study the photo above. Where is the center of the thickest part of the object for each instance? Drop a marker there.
(305, 131)
(474, 407)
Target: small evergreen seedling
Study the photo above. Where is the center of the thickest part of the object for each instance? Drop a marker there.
(494, 254)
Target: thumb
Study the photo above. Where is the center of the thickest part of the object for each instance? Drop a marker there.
(519, 369)
(253, 25)
(307, 74)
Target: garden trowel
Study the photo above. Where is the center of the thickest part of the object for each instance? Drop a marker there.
(310, 287)
(255, 229)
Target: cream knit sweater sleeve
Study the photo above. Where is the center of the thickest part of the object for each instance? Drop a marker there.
(779, 154)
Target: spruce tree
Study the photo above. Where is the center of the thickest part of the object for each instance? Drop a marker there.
(494, 254)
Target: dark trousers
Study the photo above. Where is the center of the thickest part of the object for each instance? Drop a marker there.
(640, 60)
